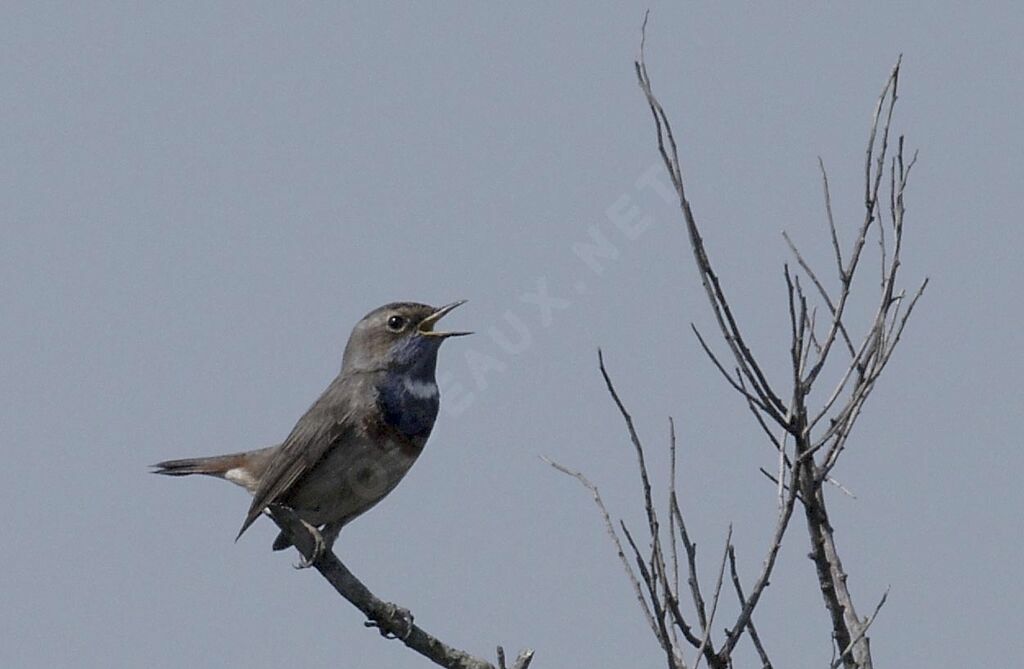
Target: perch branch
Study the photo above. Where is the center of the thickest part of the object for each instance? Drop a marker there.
(391, 620)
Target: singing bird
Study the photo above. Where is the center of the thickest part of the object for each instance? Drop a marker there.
(357, 440)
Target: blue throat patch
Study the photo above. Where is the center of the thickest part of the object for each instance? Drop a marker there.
(404, 401)
(411, 414)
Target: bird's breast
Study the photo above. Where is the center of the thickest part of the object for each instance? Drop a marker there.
(353, 477)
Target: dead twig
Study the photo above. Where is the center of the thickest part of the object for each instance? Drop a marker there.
(392, 621)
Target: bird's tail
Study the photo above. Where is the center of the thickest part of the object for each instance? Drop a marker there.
(217, 465)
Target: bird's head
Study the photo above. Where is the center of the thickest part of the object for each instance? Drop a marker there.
(398, 337)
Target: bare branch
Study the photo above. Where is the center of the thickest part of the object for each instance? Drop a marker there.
(716, 297)
(893, 340)
(871, 201)
(831, 219)
(830, 572)
(656, 572)
(757, 416)
(780, 483)
(691, 562)
(633, 437)
(889, 90)
(651, 582)
(522, 661)
(796, 345)
(738, 386)
(856, 365)
(714, 600)
(391, 620)
(754, 638)
(807, 470)
(672, 591)
(614, 536)
(821, 289)
(863, 630)
(781, 523)
(846, 491)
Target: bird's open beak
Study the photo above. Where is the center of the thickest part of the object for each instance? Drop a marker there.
(426, 326)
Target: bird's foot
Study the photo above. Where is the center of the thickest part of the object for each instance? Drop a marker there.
(319, 547)
(282, 513)
(395, 622)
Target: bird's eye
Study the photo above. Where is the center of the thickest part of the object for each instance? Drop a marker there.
(396, 323)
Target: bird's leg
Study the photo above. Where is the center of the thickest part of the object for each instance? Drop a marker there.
(324, 542)
(330, 534)
(319, 545)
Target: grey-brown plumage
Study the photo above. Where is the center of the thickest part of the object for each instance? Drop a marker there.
(358, 439)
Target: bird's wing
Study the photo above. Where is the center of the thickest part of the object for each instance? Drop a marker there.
(324, 425)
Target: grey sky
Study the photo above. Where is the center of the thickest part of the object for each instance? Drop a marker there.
(197, 203)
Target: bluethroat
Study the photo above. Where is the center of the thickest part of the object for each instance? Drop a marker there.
(357, 440)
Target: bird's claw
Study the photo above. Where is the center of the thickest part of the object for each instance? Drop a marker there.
(319, 548)
(395, 622)
(289, 516)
